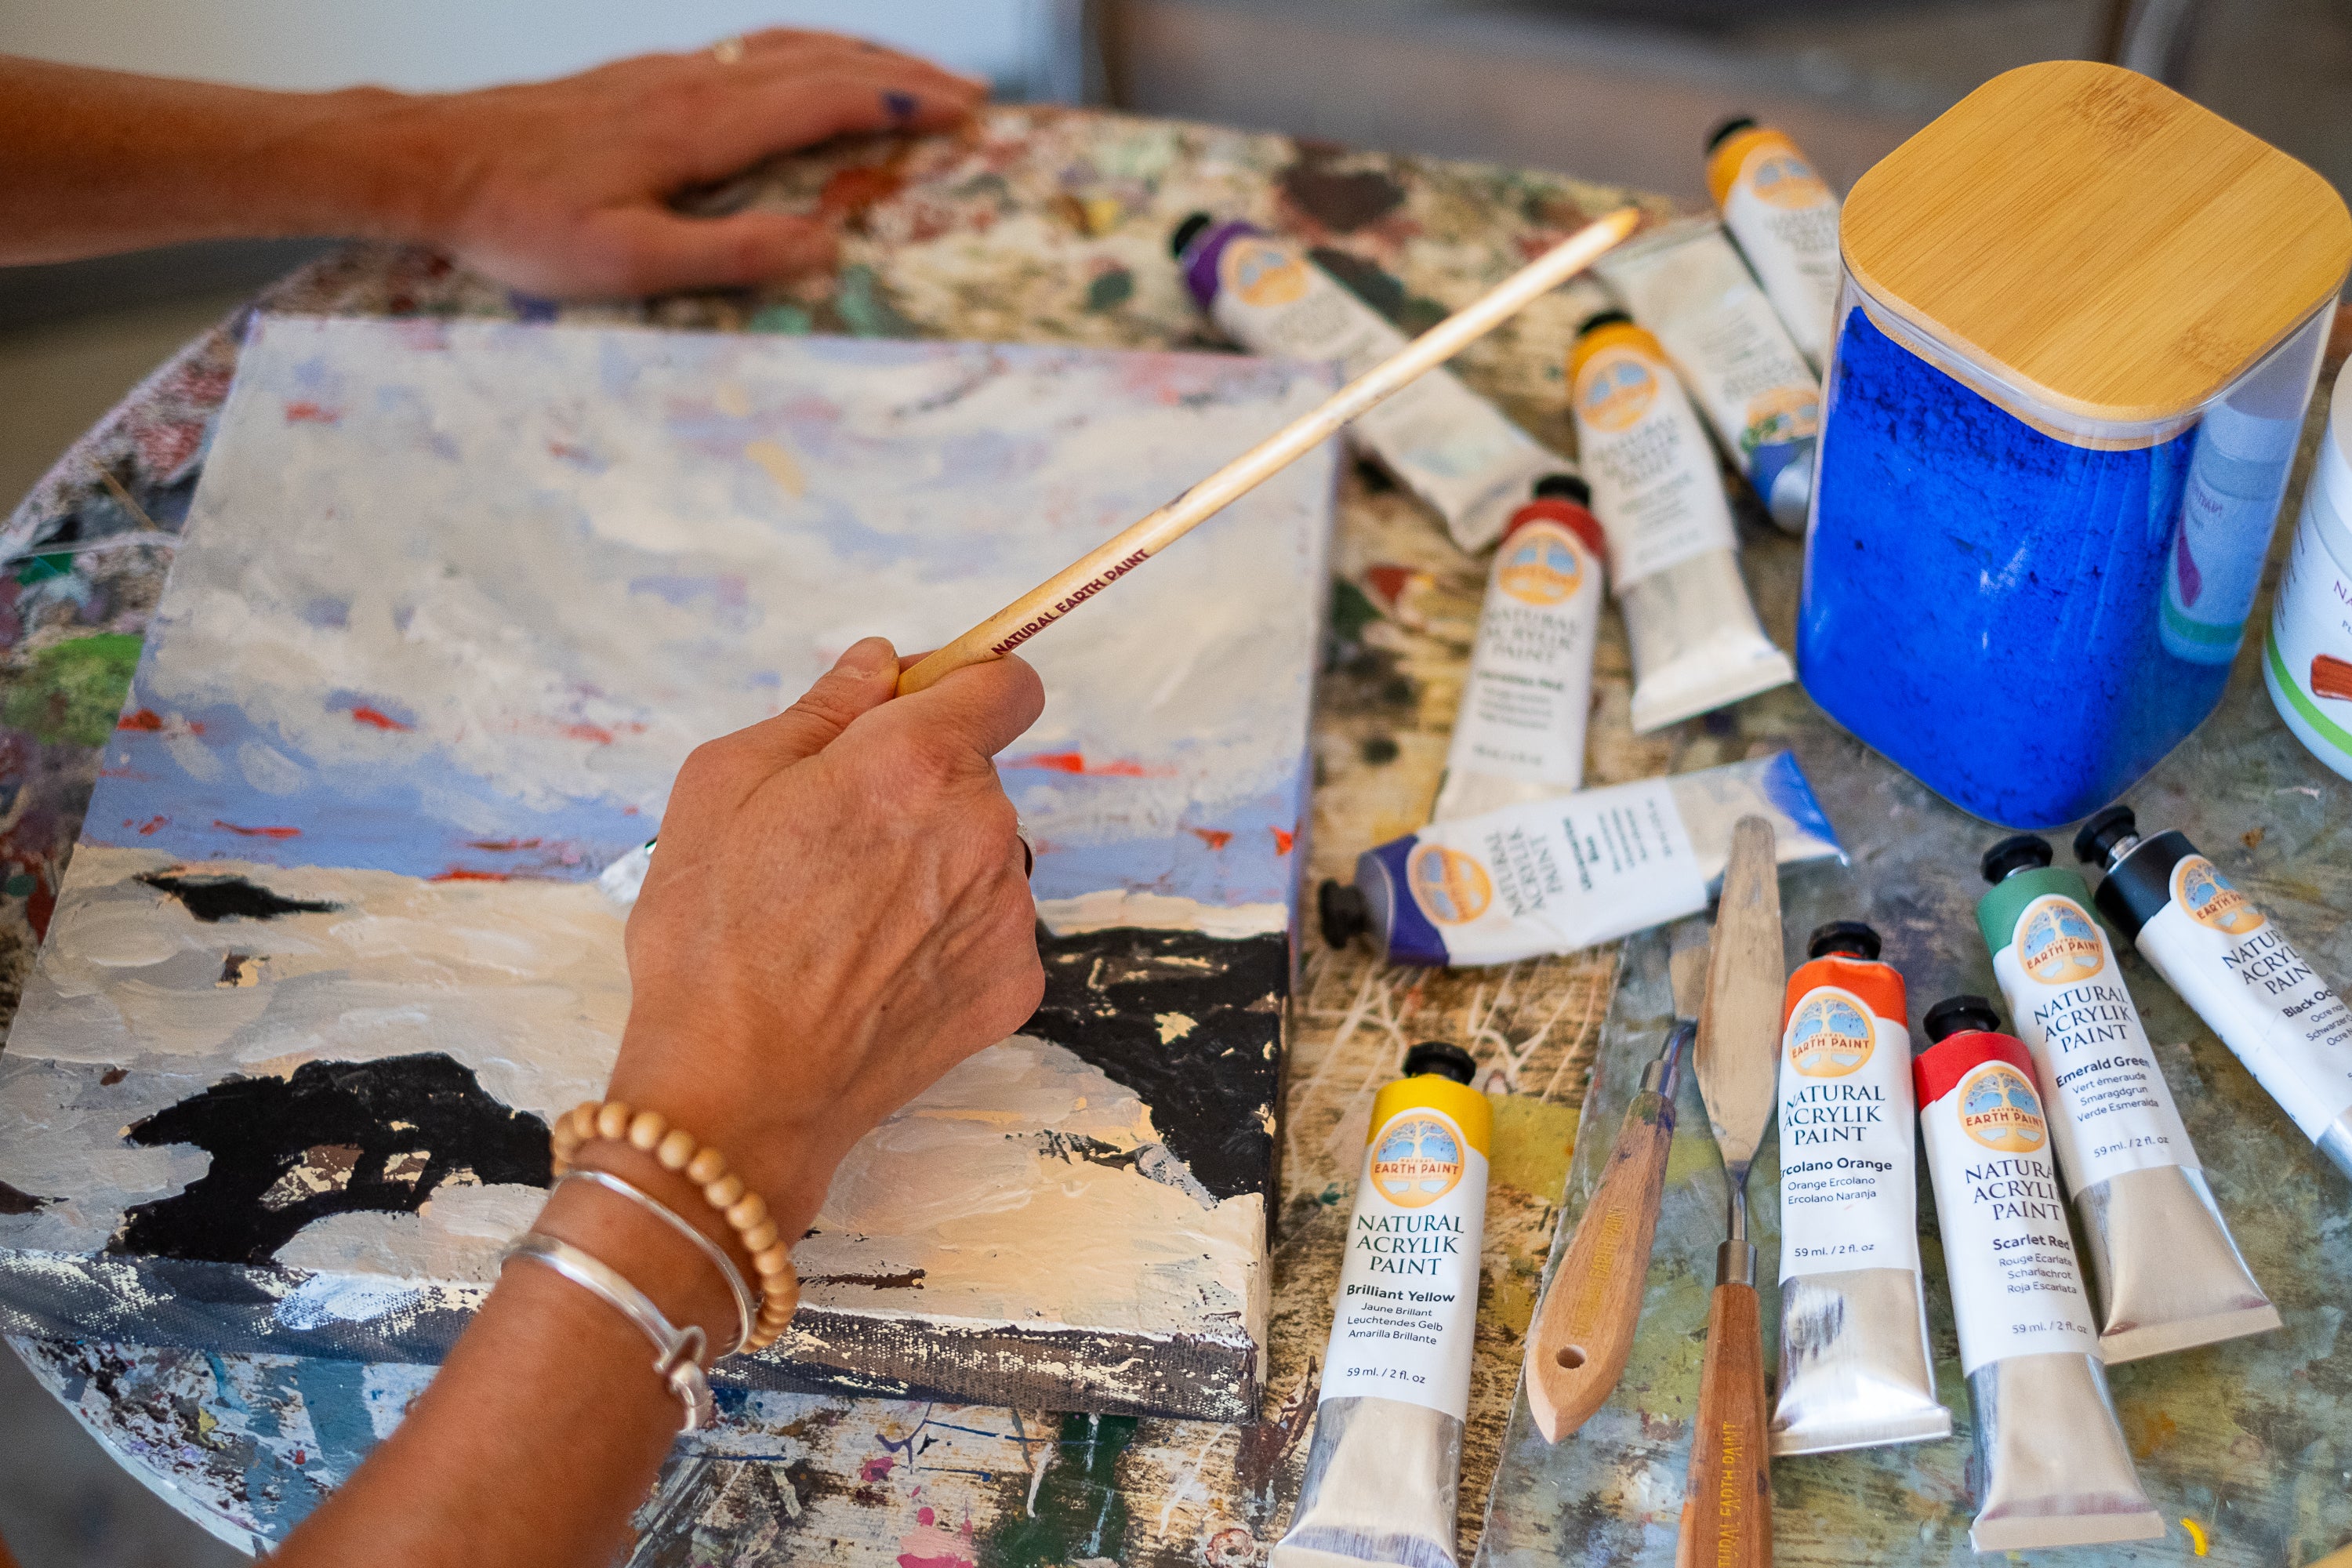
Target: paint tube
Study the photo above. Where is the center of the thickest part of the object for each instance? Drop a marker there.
(1785, 218)
(1686, 284)
(1557, 875)
(2232, 964)
(1444, 443)
(1673, 559)
(2050, 1463)
(1856, 1369)
(2167, 1274)
(1386, 1461)
(1519, 734)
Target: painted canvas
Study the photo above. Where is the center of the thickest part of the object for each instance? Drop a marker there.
(454, 601)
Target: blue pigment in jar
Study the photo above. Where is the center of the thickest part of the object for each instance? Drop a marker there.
(2055, 439)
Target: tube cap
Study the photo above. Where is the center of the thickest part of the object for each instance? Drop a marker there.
(1184, 233)
(1728, 130)
(2018, 852)
(1852, 939)
(1563, 487)
(1342, 911)
(1439, 1058)
(1958, 1016)
(1600, 318)
(2104, 830)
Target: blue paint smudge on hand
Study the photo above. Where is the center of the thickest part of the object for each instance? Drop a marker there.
(900, 106)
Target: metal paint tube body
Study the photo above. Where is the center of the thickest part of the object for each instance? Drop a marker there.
(1519, 735)
(1444, 443)
(1785, 218)
(1386, 1461)
(1673, 557)
(2167, 1273)
(1554, 875)
(1688, 285)
(2237, 969)
(2053, 1467)
(1855, 1369)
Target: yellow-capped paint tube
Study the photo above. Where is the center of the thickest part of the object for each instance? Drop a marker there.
(1386, 1461)
(1673, 556)
(1785, 218)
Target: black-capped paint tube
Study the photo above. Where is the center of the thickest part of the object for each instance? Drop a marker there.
(1386, 1462)
(2231, 963)
(1444, 442)
(2167, 1273)
(2052, 1469)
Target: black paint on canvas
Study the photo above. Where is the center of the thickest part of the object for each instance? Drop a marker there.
(215, 898)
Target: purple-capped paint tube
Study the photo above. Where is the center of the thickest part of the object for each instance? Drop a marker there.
(2052, 1469)
(1442, 441)
(1553, 876)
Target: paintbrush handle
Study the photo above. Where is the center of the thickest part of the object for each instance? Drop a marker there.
(1584, 1327)
(1048, 602)
(1728, 1504)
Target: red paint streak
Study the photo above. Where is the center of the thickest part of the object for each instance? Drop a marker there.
(595, 732)
(382, 721)
(940, 1560)
(1215, 839)
(1075, 763)
(856, 189)
(312, 414)
(565, 450)
(927, 1516)
(467, 874)
(258, 832)
(502, 846)
(149, 825)
(1388, 583)
(877, 1468)
(41, 904)
(1283, 839)
(145, 718)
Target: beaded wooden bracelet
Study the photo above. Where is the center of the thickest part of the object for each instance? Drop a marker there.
(675, 1148)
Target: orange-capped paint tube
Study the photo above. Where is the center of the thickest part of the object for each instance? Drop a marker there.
(1785, 218)
(2052, 1469)
(1856, 1369)
(1674, 555)
(1386, 1461)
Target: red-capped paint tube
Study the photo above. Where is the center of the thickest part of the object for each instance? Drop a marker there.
(1519, 733)
(2231, 963)
(2052, 1469)
(1444, 442)
(1856, 1369)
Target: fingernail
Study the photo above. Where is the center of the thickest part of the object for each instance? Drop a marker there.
(868, 656)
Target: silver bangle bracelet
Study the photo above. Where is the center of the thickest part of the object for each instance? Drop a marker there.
(679, 1362)
(746, 1310)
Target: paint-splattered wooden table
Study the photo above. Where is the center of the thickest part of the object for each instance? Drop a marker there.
(1052, 226)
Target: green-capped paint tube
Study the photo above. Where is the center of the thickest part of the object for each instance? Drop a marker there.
(1386, 1463)
(2167, 1274)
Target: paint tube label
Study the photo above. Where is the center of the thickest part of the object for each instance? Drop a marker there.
(1848, 1191)
(2111, 1110)
(1408, 1309)
(1786, 220)
(1653, 477)
(2227, 508)
(1450, 446)
(1523, 708)
(2016, 1288)
(2237, 970)
(2308, 660)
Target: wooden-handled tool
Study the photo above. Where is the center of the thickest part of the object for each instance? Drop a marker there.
(1584, 1326)
(1727, 1503)
(1048, 602)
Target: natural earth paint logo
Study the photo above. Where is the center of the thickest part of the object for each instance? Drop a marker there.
(1417, 1161)
(2000, 1110)
(1831, 1035)
(1540, 566)
(1785, 181)
(2058, 945)
(1617, 388)
(1263, 274)
(1449, 885)
(2210, 900)
(1785, 414)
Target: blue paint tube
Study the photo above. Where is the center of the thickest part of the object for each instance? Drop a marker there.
(1554, 875)
(1444, 442)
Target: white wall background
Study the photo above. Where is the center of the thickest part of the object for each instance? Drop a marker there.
(429, 44)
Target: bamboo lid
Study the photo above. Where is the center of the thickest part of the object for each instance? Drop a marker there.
(2096, 241)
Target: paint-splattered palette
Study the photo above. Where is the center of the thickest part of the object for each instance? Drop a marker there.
(454, 601)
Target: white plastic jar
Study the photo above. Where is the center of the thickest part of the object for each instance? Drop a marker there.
(2308, 661)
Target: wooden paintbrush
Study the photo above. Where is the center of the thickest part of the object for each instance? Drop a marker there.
(1148, 536)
